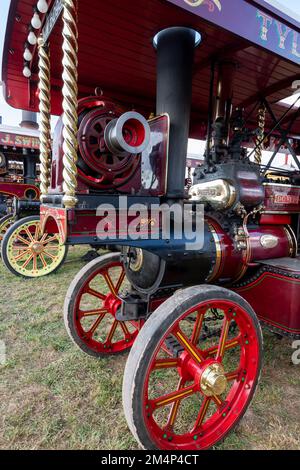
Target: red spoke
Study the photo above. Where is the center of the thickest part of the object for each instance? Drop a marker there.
(197, 328)
(125, 330)
(223, 338)
(43, 237)
(230, 344)
(35, 262)
(175, 407)
(27, 261)
(202, 413)
(29, 234)
(110, 283)
(188, 346)
(166, 349)
(95, 325)
(120, 281)
(23, 240)
(172, 397)
(112, 332)
(20, 248)
(165, 363)
(20, 256)
(49, 255)
(51, 239)
(232, 375)
(43, 260)
(90, 313)
(52, 247)
(218, 401)
(94, 293)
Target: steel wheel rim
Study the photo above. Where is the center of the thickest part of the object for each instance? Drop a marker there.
(109, 303)
(206, 431)
(32, 254)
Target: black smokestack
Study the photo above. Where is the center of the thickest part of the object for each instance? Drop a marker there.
(175, 57)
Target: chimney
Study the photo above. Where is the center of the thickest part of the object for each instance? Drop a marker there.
(29, 120)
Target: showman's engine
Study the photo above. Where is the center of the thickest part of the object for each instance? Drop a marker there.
(246, 220)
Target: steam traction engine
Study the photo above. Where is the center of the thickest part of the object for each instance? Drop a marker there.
(189, 312)
(25, 251)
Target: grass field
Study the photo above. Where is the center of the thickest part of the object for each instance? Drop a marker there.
(55, 397)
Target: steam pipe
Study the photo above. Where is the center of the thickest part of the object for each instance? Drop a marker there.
(224, 96)
(175, 56)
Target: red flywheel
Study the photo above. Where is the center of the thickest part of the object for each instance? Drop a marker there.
(97, 166)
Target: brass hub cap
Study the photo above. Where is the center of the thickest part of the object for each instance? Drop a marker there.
(213, 381)
(37, 248)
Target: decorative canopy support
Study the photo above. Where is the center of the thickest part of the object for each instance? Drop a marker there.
(70, 102)
(45, 116)
(261, 134)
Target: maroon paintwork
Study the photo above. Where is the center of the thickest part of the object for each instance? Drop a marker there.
(282, 198)
(275, 297)
(232, 263)
(75, 226)
(19, 190)
(275, 219)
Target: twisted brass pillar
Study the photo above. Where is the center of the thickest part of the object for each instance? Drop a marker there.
(260, 138)
(45, 116)
(70, 91)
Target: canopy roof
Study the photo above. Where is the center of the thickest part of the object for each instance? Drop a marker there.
(116, 52)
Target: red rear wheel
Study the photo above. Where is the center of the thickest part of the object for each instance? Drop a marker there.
(91, 304)
(193, 370)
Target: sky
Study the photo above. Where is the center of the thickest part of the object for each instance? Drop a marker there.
(12, 117)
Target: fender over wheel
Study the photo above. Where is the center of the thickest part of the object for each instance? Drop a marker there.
(192, 370)
(28, 253)
(91, 304)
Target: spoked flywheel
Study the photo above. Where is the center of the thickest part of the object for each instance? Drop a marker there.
(29, 253)
(193, 370)
(91, 304)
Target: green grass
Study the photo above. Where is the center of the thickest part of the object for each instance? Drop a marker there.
(55, 397)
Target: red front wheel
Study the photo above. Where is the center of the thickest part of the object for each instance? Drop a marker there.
(91, 305)
(193, 370)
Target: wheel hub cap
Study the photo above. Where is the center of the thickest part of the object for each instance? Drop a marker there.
(112, 303)
(37, 248)
(213, 380)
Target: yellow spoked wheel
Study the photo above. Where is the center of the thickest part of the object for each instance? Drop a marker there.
(5, 223)
(26, 252)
